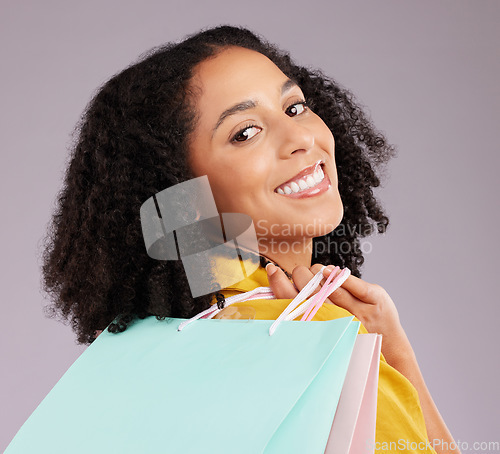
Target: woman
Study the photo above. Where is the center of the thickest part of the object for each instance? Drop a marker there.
(226, 104)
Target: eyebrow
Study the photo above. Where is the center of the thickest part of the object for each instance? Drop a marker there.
(249, 104)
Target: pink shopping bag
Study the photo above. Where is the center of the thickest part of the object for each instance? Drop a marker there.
(353, 428)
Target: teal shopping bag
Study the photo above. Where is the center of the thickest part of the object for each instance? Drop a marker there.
(217, 386)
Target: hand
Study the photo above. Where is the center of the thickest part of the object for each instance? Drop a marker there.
(374, 308)
(369, 303)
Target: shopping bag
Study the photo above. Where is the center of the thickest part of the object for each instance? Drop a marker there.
(353, 428)
(217, 386)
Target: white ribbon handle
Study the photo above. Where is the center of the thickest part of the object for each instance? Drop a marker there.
(297, 306)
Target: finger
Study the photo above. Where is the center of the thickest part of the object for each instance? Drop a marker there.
(345, 299)
(316, 268)
(327, 270)
(279, 283)
(301, 276)
(362, 290)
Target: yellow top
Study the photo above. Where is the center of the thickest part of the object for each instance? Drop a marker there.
(400, 425)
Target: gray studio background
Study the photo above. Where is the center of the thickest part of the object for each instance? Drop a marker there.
(428, 73)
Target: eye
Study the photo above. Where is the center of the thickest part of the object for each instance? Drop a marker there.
(297, 108)
(246, 133)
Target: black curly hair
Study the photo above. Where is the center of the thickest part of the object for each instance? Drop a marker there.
(131, 142)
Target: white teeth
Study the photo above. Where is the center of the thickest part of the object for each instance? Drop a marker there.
(303, 184)
(310, 181)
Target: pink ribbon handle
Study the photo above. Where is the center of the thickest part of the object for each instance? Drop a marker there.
(328, 288)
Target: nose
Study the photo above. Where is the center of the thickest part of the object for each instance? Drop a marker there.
(292, 136)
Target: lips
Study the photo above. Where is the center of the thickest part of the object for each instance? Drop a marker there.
(307, 172)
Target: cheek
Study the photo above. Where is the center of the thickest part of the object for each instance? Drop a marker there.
(228, 188)
(234, 177)
(240, 184)
(324, 135)
(327, 140)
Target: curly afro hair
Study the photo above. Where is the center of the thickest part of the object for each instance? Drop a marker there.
(131, 142)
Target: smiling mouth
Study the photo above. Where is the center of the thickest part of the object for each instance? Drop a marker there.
(305, 182)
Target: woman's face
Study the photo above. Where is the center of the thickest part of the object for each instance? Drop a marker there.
(252, 137)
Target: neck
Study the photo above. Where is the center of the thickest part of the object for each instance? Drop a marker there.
(288, 255)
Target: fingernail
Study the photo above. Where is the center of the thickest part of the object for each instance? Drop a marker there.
(271, 269)
(330, 268)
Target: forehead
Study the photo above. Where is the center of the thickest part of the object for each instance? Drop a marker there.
(236, 72)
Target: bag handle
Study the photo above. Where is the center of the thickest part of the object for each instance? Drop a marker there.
(316, 301)
(293, 310)
(326, 291)
(256, 293)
